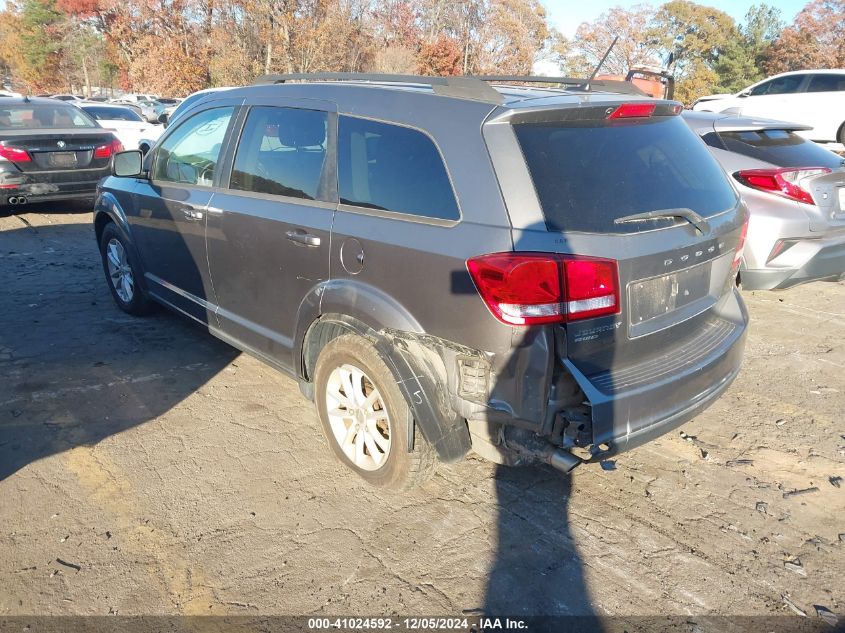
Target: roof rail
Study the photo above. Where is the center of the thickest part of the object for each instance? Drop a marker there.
(572, 83)
(460, 87)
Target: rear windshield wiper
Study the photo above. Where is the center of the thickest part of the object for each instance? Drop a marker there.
(667, 214)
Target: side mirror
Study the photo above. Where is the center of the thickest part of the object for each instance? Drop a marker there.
(162, 118)
(127, 164)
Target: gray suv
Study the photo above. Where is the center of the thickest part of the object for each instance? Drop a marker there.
(444, 265)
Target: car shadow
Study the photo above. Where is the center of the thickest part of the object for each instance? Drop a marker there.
(538, 572)
(75, 368)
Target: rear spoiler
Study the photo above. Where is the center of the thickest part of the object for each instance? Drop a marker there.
(738, 123)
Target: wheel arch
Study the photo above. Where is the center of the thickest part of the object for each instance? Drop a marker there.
(107, 210)
(352, 308)
(339, 306)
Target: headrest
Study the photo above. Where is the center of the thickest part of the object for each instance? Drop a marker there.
(302, 129)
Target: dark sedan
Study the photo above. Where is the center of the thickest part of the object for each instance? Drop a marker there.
(50, 150)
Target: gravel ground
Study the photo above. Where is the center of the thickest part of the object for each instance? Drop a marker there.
(147, 468)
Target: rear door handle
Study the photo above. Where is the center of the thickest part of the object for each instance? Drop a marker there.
(192, 213)
(301, 237)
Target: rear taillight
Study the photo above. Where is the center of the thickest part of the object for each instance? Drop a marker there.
(14, 154)
(537, 288)
(740, 247)
(107, 151)
(782, 182)
(632, 110)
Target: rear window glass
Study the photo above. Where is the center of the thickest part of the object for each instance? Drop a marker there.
(778, 147)
(113, 114)
(392, 168)
(588, 175)
(39, 116)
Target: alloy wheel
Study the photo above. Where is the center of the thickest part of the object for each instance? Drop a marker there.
(120, 272)
(358, 417)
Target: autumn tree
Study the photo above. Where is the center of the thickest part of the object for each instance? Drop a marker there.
(636, 44)
(397, 36)
(697, 35)
(177, 46)
(815, 40)
(513, 34)
(440, 57)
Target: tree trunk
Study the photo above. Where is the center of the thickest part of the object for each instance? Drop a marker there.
(268, 60)
(87, 77)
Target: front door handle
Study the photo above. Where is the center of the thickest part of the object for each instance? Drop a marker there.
(301, 237)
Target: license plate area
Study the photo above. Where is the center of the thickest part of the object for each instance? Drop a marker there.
(841, 199)
(62, 159)
(660, 302)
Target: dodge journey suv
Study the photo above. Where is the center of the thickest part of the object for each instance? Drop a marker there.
(444, 265)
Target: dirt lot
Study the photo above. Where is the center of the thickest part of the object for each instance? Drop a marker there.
(183, 478)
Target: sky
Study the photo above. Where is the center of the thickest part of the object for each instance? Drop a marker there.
(566, 15)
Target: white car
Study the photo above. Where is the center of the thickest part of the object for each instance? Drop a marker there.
(126, 124)
(811, 97)
(134, 97)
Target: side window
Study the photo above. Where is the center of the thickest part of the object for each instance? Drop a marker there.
(189, 155)
(779, 86)
(282, 151)
(827, 83)
(761, 89)
(392, 168)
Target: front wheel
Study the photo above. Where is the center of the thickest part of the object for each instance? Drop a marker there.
(123, 273)
(840, 136)
(365, 417)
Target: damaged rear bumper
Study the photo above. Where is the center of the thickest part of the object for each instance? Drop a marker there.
(617, 410)
(21, 188)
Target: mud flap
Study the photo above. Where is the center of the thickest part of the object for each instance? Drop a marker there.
(441, 427)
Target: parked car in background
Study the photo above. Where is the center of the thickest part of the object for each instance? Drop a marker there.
(187, 102)
(128, 104)
(126, 124)
(151, 110)
(442, 264)
(134, 97)
(795, 192)
(51, 150)
(813, 98)
(68, 97)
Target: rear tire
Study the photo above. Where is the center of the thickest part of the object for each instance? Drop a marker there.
(365, 417)
(123, 273)
(840, 135)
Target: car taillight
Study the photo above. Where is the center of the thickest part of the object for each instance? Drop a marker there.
(14, 154)
(106, 151)
(538, 288)
(632, 110)
(740, 247)
(782, 182)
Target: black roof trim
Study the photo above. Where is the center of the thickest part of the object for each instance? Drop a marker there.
(460, 87)
(571, 83)
(474, 87)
